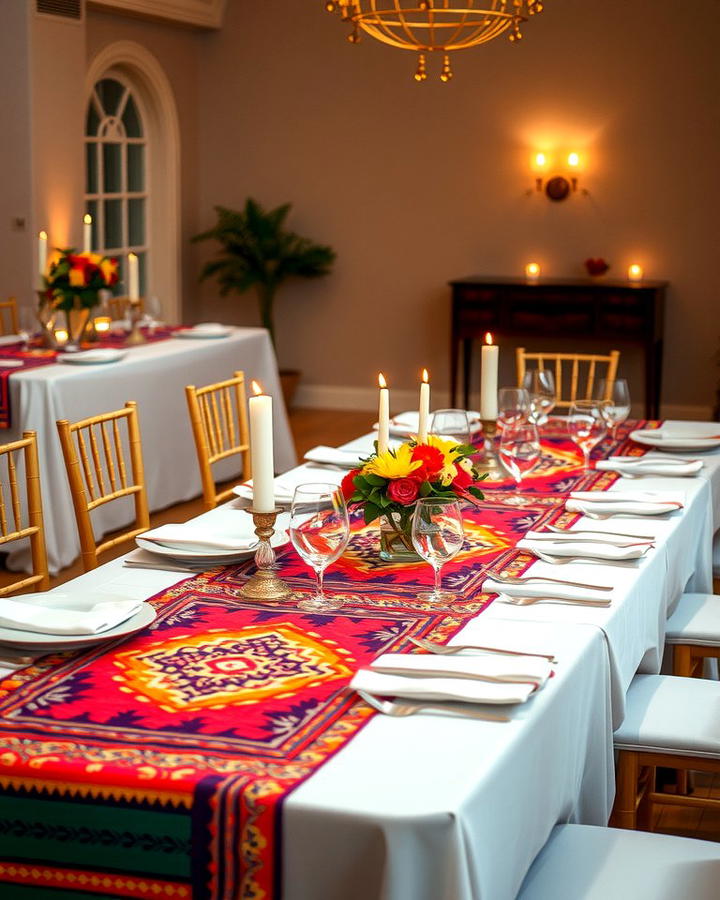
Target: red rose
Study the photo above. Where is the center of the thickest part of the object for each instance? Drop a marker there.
(346, 485)
(462, 481)
(432, 461)
(403, 490)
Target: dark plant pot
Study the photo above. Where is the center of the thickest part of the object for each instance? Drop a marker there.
(289, 380)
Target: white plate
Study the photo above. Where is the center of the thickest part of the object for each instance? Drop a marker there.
(7, 339)
(202, 334)
(220, 556)
(11, 363)
(675, 439)
(100, 356)
(31, 640)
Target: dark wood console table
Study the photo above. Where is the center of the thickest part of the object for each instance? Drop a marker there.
(614, 312)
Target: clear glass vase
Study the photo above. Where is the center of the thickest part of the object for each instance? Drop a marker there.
(395, 540)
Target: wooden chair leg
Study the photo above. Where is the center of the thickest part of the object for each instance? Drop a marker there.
(624, 813)
(682, 661)
(644, 820)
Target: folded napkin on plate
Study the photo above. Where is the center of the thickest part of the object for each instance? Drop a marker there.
(621, 502)
(586, 547)
(348, 459)
(634, 465)
(209, 327)
(463, 689)
(95, 619)
(493, 667)
(286, 483)
(408, 422)
(544, 589)
(193, 536)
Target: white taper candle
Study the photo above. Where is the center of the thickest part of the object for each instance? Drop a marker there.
(42, 253)
(489, 380)
(87, 233)
(424, 412)
(261, 450)
(383, 415)
(133, 277)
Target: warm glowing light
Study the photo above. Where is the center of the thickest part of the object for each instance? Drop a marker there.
(61, 336)
(256, 387)
(102, 324)
(573, 160)
(426, 377)
(43, 235)
(87, 219)
(488, 338)
(635, 272)
(540, 160)
(532, 271)
(381, 380)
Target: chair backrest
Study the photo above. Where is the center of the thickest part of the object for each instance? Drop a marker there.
(575, 373)
(218, 415)
(96, 453)
(11, 519)
(117, 306)
(8, 316)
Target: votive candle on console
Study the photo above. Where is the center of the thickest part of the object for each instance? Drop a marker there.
(61, 337)
(102, 324)
(261, 450)
(87, 232)
(532, 272)
(42, 252)
(133, 277)
(635, 272)
(383, 415)
(424, 412)
(489, 379)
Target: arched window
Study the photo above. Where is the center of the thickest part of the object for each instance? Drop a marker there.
(132, 141)
(116, 189)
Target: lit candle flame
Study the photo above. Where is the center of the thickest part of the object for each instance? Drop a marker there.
(573, 160)
(87, 219)
(425, 376)
(381, 380)
(635, 272)
(43, 235)
(488, 338)
(540, 159)
(257, 389)
(532, 270)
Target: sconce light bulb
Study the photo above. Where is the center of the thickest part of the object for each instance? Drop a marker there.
(573, 160)
(540, 159)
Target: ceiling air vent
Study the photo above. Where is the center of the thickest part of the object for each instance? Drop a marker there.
(66, 9)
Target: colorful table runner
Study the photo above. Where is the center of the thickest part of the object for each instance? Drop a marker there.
(159, 767)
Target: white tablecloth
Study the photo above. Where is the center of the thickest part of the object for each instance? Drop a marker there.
(155, 376)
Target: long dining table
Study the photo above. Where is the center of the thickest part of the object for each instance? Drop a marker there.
(433, 806)
(154, 375)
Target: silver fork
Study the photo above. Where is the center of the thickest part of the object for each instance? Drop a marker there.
(566, 560)
(557, 530)
(403, 708)
(528, 601)
(452, 649)
(524, 579)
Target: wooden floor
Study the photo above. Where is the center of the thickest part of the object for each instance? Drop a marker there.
(333, 427)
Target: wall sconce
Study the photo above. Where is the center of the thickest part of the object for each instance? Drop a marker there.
(558, 187)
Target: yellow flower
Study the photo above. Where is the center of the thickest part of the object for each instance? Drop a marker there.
(108, 268)
(77, 277)
(393, 463)
(447, 475)
(94, 258)
(445, 445)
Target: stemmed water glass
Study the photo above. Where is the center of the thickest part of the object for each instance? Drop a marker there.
(437, 535)
(540, 385)
(587, 426)
(615, 399)
(451, 423)
(319, 530)
(519, 454)
(513, 406)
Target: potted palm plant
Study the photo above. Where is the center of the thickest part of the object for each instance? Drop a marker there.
(258, 251)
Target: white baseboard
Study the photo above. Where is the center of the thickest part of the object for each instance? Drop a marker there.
(325, 396)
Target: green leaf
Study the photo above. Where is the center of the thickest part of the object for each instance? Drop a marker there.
(376, 480)
(371, 512)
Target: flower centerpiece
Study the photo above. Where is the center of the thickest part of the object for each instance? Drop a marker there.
(388, 484)
(73, 284)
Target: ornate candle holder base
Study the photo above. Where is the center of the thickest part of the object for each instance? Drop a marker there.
(265, 584)
(136, 336)
(490, 464)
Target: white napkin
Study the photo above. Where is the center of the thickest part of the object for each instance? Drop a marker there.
(286, 483)
(494, 667)
(545, 589)
(97, 618)
(634, 465)
(11, 363)
(408, 422)
(348, 459)
(209, 328)
(588, 548)
(194, 536)
(635, 503)
(441, 688)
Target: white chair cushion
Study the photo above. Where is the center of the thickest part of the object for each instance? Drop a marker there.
(696, 620)
(668, 714)
(585, 862)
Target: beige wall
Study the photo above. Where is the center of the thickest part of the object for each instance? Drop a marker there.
(416, 184)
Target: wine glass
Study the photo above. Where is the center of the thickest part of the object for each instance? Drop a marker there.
(615, 399)
(28, 323)
(519, 453)
(319, 530)
(451, 423)
(540, 385)
(513, 406)
(587, 426)
(437, 535)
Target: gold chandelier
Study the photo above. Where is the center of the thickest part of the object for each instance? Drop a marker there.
(431, 26)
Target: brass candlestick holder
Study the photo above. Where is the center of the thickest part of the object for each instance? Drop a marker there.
(490, 464)
(136, 313)
(265, 584)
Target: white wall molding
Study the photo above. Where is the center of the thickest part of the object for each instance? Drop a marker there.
(155, 94)
(201, 13)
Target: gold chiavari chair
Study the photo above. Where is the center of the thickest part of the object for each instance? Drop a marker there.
(95, 452)
(117, 306)
(218, 415)
(568, 368)
(11, 525)
(9, 316)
